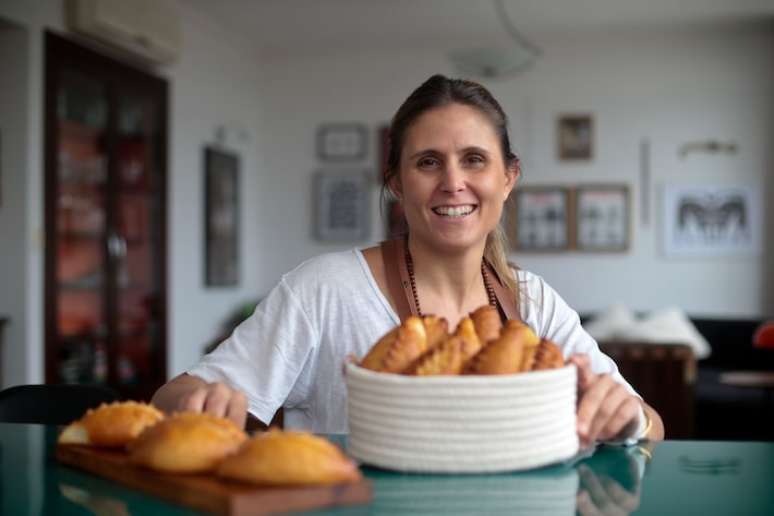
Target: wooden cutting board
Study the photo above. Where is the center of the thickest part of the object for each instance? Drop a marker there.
(209, 493)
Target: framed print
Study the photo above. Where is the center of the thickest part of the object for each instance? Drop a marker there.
(221, 218)
(575, 137)
(712, 220)
(342, 142)
(342, 206)
(602, 218)
(539, 219)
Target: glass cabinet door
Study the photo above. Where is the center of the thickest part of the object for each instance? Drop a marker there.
(105, 221)
(135, 242)
(80, 205)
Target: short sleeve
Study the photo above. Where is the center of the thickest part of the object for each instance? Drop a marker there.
(265, 355)
(548, 314)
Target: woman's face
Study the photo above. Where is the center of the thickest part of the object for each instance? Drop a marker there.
(452, 179)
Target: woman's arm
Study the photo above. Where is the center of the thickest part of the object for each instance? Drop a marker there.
(190, 393)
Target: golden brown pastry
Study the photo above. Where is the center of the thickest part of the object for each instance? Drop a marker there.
(111, 425)
(487, 322)
(448, 358)
(548, 356)
(187, 442)
(499, 356)
(530, 341)
(397, 350)
(436, 329)
(466, 331)
(289, 458)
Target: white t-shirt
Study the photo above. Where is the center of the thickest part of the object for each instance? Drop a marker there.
(290, 352)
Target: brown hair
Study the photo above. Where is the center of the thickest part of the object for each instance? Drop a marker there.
(439, 91)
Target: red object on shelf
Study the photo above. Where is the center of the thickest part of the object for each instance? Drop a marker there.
(764, 336)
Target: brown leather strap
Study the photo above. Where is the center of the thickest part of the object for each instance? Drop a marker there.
(396, 274)
(505, 298)
(399, 285)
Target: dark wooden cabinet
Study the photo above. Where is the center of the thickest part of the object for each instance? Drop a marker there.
(105, 219)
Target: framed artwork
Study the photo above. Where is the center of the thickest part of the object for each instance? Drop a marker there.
(342, 142)
(221, 218)
(539, 219)
(575, 137)
(707, 220)
(602, 218)
(342, 206)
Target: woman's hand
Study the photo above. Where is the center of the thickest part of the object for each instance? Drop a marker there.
(217, 399)
(606, 410)
(190, 393)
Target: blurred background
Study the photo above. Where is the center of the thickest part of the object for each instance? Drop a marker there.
(163, 163)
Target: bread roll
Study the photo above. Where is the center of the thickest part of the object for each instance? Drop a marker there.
(289, 458)
(111, 425)
(187, 442)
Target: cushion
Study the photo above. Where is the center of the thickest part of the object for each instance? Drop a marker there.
(610, 323)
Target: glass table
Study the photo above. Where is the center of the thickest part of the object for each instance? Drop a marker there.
(673, 477)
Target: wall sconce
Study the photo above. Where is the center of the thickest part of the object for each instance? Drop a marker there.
(708, 146)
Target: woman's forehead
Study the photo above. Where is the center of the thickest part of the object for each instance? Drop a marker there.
(451, 127)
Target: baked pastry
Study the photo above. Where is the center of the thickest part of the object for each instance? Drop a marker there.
(289, 458)
(466, 331)
(397, 350)
(187, 442)
(447, 358)
(111, 425)
(487, 322)
(547, 356)
(499, 356)
(436, 329)
(530, 341)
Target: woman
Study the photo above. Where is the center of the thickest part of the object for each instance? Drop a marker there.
(452, 169)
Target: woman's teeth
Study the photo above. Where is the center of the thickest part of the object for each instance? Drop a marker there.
(454, 211)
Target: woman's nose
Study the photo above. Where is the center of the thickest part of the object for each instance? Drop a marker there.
(453, 179)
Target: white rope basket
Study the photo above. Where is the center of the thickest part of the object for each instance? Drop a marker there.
(461, 424)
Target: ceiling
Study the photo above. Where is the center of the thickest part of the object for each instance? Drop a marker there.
(304, 26)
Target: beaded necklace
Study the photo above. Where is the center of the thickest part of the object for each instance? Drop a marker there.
(410, 267)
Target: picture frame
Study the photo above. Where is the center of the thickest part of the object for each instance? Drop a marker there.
(539, 219)
(342, 206)
(221, 218)
(705, 220)
(575, 137)
(603, 218)
(344, 141)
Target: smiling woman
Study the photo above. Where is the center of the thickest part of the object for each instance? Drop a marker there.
(451, 168)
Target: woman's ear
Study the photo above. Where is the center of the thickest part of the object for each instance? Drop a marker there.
(512, 175)
(394, 186)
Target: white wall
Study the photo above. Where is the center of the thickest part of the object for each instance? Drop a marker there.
(216, 82)
(13, 133)
(668, 87)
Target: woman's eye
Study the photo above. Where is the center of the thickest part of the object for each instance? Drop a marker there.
(427, 162)
(476, 159)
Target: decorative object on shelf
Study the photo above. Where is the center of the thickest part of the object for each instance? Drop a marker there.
(602, 217)
(346, 141)
(342, 206)
(707, 220)
(575, 137)
(539, 219)
(707, 147)
(221, 218)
